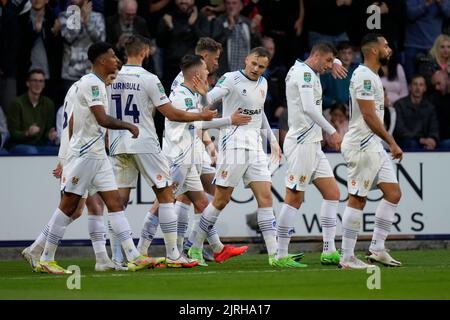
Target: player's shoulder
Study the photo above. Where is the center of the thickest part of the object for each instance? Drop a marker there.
(91, 82)
(229, 77)
(363, 71)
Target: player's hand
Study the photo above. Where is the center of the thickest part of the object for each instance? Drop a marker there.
(168, 21)
(211, 149)
(338, 71)
(32, 130)
(396, 152)
(238, 119)
(207, 114)
(134, 130)
(336, 141)
(201, 86)
(194, 15)
(275, 150)
(57, 172)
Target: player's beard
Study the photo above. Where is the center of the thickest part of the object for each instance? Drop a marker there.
(384, 60)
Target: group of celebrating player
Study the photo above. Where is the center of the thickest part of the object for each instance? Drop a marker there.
(124, 101)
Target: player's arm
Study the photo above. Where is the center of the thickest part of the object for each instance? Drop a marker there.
(309, 105)
(236, 119)
(174, 114)
(367, 108)
(109, 122)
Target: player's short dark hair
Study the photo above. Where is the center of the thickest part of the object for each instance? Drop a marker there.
(207, 44)
(35, 71)
(135, 43)
(97, 49)
(324, 47)
(189, 61)
(261, 52)
(370, 38)
(344, 45)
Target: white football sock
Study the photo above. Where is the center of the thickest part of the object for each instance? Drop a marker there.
(351, 224)
(121, 228)
(285, 229)
(149, 228)
(168, 223)
(182, 212)
(207, 221)
(267, 225)
(97, 233)
(384, 216)
(328, 222)
(55, 234)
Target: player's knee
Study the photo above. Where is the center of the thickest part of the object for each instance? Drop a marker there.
(265, 200)
(394, 196)
(201, 204)
(332, 195)
(357, 202)
(220, 202)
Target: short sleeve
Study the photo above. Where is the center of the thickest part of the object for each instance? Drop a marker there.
(155, 91)
(225, 82)
(364, 87)
(94, 93)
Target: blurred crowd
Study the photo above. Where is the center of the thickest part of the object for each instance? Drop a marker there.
(43, 50)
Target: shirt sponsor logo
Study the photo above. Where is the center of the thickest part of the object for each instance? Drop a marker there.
(251, 112)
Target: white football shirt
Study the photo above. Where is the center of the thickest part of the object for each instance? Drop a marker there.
(364, 85)
(179, 79)
(67, 110)
(180, 137)
(88, 138)
(238, 91)
(134, 96)
(302, 80)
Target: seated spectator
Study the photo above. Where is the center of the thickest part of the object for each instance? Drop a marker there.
(275, 74)
(4, 133)
(31, 119)
(394, 79)
(337, 90)
(417, 125)
(437, 59)
(441, 100)
(339, 120)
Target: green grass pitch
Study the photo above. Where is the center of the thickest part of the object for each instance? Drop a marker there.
(425, 275)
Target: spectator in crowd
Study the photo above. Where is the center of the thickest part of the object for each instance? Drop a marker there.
(31, 119)
(337, 90)
(178, 33)
(437, 59)
(125, 22)
(8, 52)
(235, 33)
(40, 47)
(339, 120)
(425, 18)
(285, 28)
(275, 75)
(441, 100)
(211, 8)
(394, 79)
(417, 125)
(336, 13)
(4, 133)
(77, 38)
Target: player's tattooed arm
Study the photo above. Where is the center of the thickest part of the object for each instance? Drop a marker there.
(109, 122)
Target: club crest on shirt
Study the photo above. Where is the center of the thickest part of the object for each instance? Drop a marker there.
(75, 180)
(95, 91)
(307, 76)
(367, 85)
(189, 103)
(244, 92)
